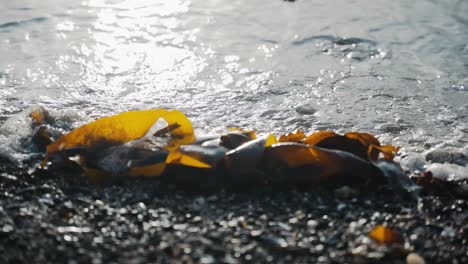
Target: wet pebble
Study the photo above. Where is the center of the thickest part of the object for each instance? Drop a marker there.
(312, 224)
(305, 110)
(345, 192)
(448, 232)
(391, 128)
(414, 258)
(447, 155)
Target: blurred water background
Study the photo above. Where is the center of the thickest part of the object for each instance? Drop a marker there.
(398, 69)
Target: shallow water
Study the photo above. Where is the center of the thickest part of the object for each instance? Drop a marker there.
(398, 69)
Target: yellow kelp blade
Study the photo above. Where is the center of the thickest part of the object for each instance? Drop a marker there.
(330, 140)
(388, 151)
(361, 144)
(183, 134)
(124, 131)
(296, 136)
(295, 155)
(115, 129)
(364, 138)
(40, 116)
(125, 127)
(317, 137)
(368, 141)
(373, 145)
(154, 170)
(179, 158)
(306, 164)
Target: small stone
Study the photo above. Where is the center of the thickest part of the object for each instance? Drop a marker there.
(414, 258)
(180, 227)
(345, 192)
(360, 250)
(7, 228)
(322, 259)
(207, 259)
(284, 226)
(448, 232)
(275, 242)
(375, 255)
(319, 248)
(312, 224)
(256, 233)
(341, 206)
(212, 198)
(446, 156)
(230, 260)
(305, 110)
(391, 128)
(198, 204)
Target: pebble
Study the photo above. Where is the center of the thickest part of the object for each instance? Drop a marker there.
(414, 258)
(208, 259)
(198, 204)
(256, 233)
(341, 207)
(305, 110)
(319, 248)
(7, 228)
(345, 192)
(448, 232)
(446, 155)
(312, 224)
(391, 128)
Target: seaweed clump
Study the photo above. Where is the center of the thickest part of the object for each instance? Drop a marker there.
(161, 144)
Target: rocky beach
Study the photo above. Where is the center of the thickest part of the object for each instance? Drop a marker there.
(62, 219)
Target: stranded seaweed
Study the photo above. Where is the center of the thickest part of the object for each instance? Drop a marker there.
(162, 144)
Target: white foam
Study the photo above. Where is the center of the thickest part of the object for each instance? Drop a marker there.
(17, 131)
(447, 171)
(16, 134)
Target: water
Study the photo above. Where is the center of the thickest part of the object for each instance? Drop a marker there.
(398, 69)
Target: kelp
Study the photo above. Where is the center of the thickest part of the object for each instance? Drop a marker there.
(309, 165)
(134, 143)
(40, 137)
(161, 143)
(363, 145)
(385, 235)
(125, 127)
(138, 143)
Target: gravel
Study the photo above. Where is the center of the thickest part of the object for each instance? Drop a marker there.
(62, 219)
